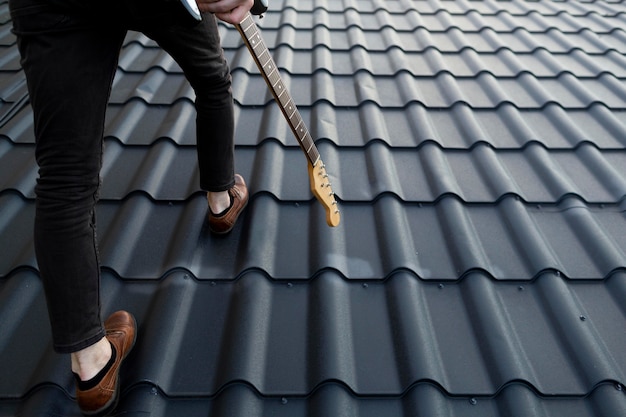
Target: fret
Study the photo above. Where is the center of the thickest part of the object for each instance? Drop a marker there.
(311, 151)
(259, 45)
(250, 23)
(274, 76)
(301, 132)
(279, 87)
(266, 69)
(265, 60)
(249, 31)
(290, 107)
(300, 129)
(294, 117)
(307, 142)
(283, 96)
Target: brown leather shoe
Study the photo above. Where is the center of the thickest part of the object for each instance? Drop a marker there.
(121, 331)
(224, 223)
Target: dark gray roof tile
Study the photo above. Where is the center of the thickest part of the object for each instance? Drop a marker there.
(452, 40)
(443, 240)
(398, 91)
(241, 400)
(458, 127)
(166, 171)
(439, 21)
(380, 339)
(504, 127)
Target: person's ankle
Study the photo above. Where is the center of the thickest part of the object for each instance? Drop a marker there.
(219, 202)
(88, 362)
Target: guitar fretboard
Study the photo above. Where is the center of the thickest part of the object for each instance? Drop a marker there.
(250, 33)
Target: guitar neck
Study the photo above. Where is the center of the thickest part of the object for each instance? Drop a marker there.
(263, 59)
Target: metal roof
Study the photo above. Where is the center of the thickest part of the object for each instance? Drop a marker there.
(478, 153)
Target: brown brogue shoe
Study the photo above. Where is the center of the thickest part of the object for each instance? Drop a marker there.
(121, 331)
(224, 223)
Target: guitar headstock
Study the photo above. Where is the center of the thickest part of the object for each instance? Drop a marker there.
(321, 188)
(259, 7)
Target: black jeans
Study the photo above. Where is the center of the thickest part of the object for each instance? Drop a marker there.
(69, 55)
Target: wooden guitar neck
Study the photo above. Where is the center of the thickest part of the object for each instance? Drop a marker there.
(320, 186)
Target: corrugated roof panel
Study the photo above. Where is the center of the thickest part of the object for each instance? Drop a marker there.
(504, 127)
(519, 8)
(452, 40)
(485, 91)
(428, 63)
(13, 87)
(443, 240)
(166, 171)
(6, 36)
(442, 91)
(378, 339)
(9, 57)
(240, 400)
(439, 21)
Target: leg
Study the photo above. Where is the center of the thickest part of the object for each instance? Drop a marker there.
(198, 51)
(69, 63)
(69, 67)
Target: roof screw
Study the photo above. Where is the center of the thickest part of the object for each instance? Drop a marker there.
(583, 318)
(558, 273)
(213, 283)
(618, 386)
(289, 285)
(473, 401)
(441, 286)
(365, 285)
(153, 391)
(186, 276)
(520, 288)
(284, 401)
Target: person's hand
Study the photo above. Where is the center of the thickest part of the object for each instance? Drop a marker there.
(231, 11)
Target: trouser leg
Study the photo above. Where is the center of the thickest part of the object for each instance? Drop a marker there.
(198, 51)
(69, 65)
